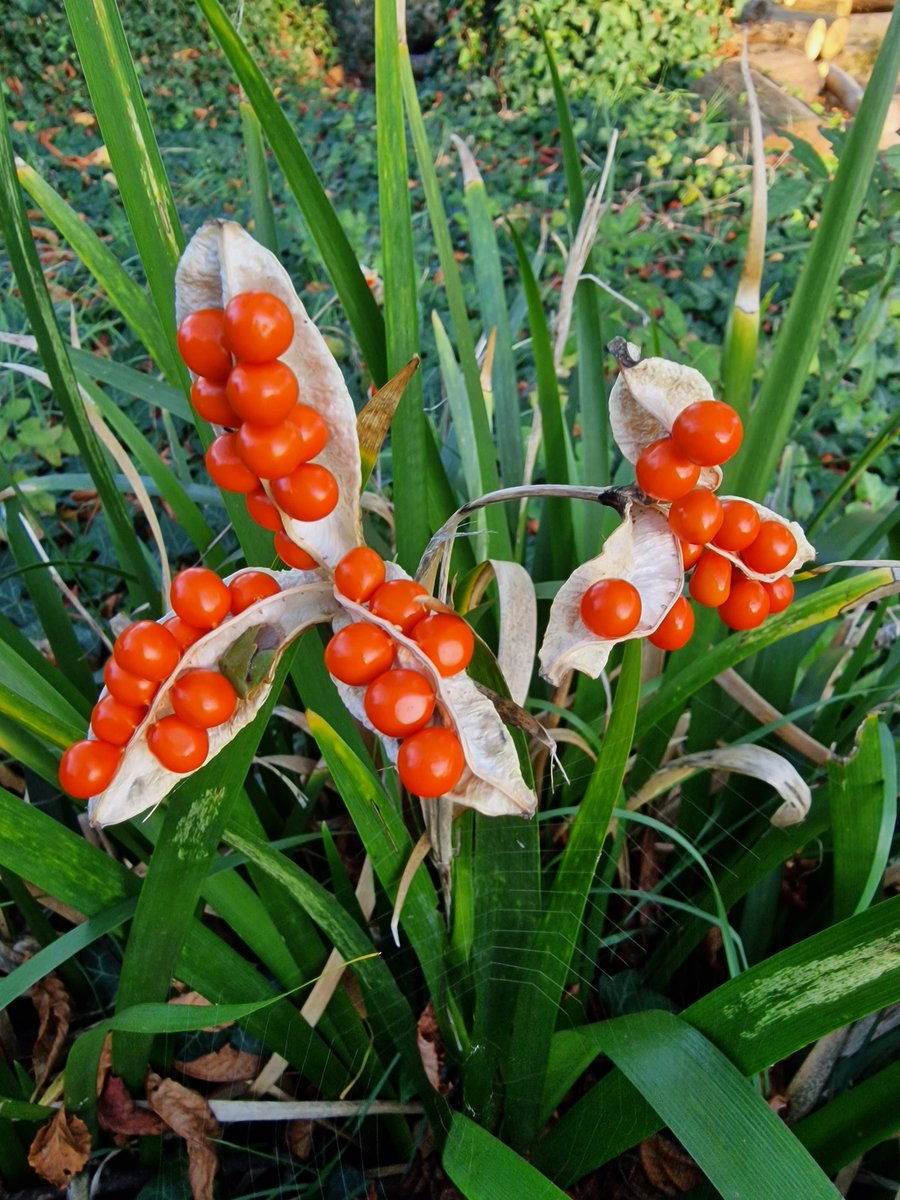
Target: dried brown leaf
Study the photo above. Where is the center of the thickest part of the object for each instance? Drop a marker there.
(431, 1049)
(50, 998)
(225, 1065)
(188, 1114)
(60, 1149)
(299, 1138)
(668, 1168)
(117, 1113)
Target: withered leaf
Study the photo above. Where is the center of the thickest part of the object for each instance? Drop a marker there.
(117, 1113)
(431, 1050)
(60, 1149)
(225, 1065)
(187, 1114)
(299, 1137)
(50, 998)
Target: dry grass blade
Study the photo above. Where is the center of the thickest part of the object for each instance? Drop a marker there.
(231, 1111)
(755, 761)
(415, 860)
(326, 985)
(735, 686)
(375, 418)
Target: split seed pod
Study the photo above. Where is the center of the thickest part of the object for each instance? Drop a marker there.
(805, 552)
(249, 646)
(645, 552)
(647, 397)
(492, 782)
(221, 261)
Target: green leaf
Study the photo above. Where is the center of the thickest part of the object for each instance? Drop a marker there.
(771, 1011)
(852, 1124)
(862, 796)
(484, 1169)
(823, 605)
(813, 295)
(128, 298)
(746, 1150)
(258, 178)
(484, 451)
(128, 135)
(557, 939)
(23, 256)
(337, 254)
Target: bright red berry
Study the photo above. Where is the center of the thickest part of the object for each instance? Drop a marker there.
(611, 608)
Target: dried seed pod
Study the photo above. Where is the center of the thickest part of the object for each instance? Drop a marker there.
(643, 551)
(805, 552)
(223, 261)
(247, 648)
(492, 781)
(646, 398)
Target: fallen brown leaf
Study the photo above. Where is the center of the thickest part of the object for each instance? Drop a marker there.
(51, 1000)
(431, 1049)
(668, 1168)
(299, 1137)
(60, 1149)
(117, 1113)
(225, 1065)
(187, 1114)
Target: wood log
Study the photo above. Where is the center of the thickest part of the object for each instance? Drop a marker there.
(790, 69)
(870, 6)
(846, 90)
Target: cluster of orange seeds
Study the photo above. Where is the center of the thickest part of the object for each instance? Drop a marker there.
(145, 656)
(705, 434)
(400, 701)
(243, 385)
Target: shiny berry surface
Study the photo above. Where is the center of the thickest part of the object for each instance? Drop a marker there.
(148, 650)
(447, 640)
(663, 472)
(311, 428)
(431, 762)
(690, 553)
(676, 628)
(308, 494)
(183, 633)
(359, 573)
(263, 511)
(126, 686)
(87, 768)
(359, 653)
(264, 393)
(611, 608)
(203, 345)
(250, 587)
(740, 525)
(708, 432)
(270, 451)
(780, 592)
(115, 722)
(200, 597)
(696, 517)
(747, 605)
(711, 580)
(292, 554)
(399, 702)
(203, 698)
(258, 326)
(226, 468)
(398, 601)
(208, 398)
(177, 745)
(771, 550)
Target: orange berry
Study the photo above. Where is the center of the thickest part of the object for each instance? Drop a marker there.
(148, 650)
(177, 745)
(747, 604)
(431, 762)
(292, 554)
(86, 768)
(711, 580)
(611, 608)
(663, 472)
(398, 601)
(250, 587)
(676, 627)
(740, 525)
(359, 573)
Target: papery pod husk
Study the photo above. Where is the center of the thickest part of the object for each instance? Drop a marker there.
(492, 782)
(645, 401)
(805, 552)
(221, 261)
(141, 781)
(644, 551)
